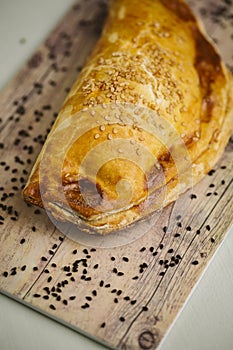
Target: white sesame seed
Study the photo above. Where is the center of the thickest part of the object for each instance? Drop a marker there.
(102, 128)
(96, 136)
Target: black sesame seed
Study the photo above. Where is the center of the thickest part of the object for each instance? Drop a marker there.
(188, 228)
(120, 274)
(212, 240)
(161, 246)
(211, 172)
(162, 273)
(115, 300)
(46, 297)
(170, 251)
(195, 262)
(85, 251)
(103, 325)
(125, 259)
(145, 308)
(122, 319)
(52, 307)
(72, 297)
(5, 274)
(23, 268)
(96, 266)
(49, 279)
(152, 249)
(75, 251)
(193, 196)
(43, 258)
(89, 298)
(155, 253)
(107, 285)
(54, 265)
(114, 270)
(165, 229)
(46, 107)
(46, 271)
(36, 295)
(142, 249)
(35, 268)
(135, 278)
(22, 241)
(101, 284)
(223, 182)
(112, 258)
(65, 302)
(198, 232)
(177, 235)
(20, 110)
(133, 302)
(47, 290)
(127, 298)
(208, 227)
(94, 292)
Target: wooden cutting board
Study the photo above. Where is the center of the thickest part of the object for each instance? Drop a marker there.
(125, 297)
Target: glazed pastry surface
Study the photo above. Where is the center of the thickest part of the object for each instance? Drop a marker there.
(148, 117)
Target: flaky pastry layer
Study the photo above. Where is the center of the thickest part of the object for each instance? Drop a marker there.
(148, 117)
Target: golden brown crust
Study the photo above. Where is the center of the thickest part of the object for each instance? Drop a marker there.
(153, 100)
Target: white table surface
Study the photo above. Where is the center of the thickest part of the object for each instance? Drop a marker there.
(205, 322)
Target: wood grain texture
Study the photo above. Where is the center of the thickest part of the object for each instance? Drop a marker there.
(126, 297)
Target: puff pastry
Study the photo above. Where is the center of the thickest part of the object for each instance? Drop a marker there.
(148, 117)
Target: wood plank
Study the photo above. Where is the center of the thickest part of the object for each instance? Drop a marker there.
(126, 296)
